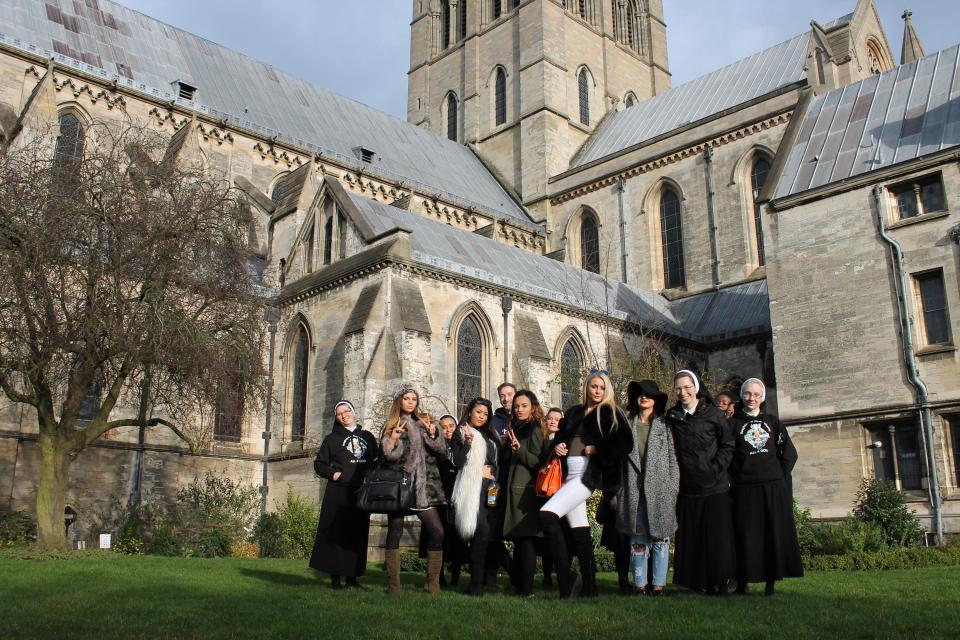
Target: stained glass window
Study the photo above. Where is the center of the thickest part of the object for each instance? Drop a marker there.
(69, 146)
(583, 86)
(227, 422)
(301, 356)
(758, 176)
(469, 363)
(590, 243)
(571, 369)
(672, 232)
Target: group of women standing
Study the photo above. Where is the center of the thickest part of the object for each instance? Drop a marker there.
(720, 487)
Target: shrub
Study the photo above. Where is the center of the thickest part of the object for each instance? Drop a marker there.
(245, 550)
(216, 541)
(163, 542)
(411, 561)
(850, 536)
(17, 528)
(128, 542)
(881, 503)
(298, 521)
(214, 513)
(890, 558)
(268, 533)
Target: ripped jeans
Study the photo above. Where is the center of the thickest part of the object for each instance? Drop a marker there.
(642, 547)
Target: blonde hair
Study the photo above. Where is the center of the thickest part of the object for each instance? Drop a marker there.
(609, 396)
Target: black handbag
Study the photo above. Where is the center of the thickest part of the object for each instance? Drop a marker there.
(386, 491)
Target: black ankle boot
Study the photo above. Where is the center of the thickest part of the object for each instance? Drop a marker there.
(770, 588)
(555, 540)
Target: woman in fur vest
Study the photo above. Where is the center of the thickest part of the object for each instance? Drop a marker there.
(340, 548)
(766, 533)
(526, 453)
(646, 502)
(593, 440)
(704, 553)
(475, 450)
(414, 446)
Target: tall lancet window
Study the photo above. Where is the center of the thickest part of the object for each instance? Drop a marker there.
(469, 363)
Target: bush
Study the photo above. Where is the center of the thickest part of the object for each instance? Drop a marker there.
(298, 520)
(245, 550)
(890, 558)
(164, 542)
(882, 504)
(128, 542)
(214, 513)
(850, 536)
(268, 533)
(411, 561)
(17, 528)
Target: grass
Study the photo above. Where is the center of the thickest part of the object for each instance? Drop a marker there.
(104, 596)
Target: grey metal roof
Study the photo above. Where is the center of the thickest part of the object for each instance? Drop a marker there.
(117, 43)
(842, 20)
(732, 85)
(905, 113)
(711, 316)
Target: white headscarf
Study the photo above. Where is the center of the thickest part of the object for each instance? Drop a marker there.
(763, 388)
(692, 376)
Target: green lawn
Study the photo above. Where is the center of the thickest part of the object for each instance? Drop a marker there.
(115, 596)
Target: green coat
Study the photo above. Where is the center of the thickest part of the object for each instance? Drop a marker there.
(521, 467)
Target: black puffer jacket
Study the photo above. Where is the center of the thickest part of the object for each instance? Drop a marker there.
(612, 438)
(705, 447)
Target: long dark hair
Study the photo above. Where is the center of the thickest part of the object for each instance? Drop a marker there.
(537, 417)
(487, 429)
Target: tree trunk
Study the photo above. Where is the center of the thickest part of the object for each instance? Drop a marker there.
(52, 492)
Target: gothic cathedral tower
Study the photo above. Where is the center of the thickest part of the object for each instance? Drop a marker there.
(525, 82)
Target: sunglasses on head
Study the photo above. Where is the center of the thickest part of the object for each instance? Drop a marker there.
(594, 372)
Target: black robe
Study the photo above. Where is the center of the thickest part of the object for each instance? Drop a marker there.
(766, 534)
(341, 544)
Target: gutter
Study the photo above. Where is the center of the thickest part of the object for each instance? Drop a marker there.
(621, 187)
(922, 404)
(712, 216)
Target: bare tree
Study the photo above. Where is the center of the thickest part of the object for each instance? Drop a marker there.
(127, 293)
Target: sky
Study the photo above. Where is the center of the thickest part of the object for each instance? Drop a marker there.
(361, 48)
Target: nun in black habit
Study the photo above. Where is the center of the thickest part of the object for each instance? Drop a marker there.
(345, 455)
(766, 533)
(704, 553)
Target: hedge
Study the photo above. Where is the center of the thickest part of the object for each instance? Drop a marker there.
(895, 558)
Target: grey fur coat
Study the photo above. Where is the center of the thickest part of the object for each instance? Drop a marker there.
(416, 453)
(656, 479)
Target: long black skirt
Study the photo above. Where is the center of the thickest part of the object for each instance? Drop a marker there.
(766, 534)
(704, 552)
(341, 545)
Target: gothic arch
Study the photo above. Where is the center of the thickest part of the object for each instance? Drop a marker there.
(877, 59)
(652, 207)
(498, 88)
(298, 350)
(573, 236)
(470, 323)
(586, 89)
(450, 116)
(744, 176)
(630, 99)
(567, 389)
(276, 187)
(73, 132)
(629, 24)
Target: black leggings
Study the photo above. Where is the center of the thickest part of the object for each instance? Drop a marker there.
(429, 522)
(524, 564)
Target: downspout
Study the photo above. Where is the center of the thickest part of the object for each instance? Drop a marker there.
(506, 304)
(272, 317)
(621, 187)
(711, 216)
(923, 408)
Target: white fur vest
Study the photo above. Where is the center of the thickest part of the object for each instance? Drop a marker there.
(466, 489)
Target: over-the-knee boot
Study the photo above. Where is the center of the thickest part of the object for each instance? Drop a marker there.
(434, 566)
(583, 547)
(557, 543)
(391, 561)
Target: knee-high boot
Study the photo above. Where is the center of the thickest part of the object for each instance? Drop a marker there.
(434, 567)
(557, 543)
(583, 547)
(391, 562)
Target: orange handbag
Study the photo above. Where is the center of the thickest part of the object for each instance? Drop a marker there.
(550, 476)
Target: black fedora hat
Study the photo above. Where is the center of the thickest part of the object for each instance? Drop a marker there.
(650, 389)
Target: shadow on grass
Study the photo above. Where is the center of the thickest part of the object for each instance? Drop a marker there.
(286, 579)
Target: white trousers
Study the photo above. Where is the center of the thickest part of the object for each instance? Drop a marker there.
(571, 499)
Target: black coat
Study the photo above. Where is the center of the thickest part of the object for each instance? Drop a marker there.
(704, 443)
(340, 547)
(612, 438)
(763, 450)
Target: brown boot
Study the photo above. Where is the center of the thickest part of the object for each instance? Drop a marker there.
(434, 567)
(391, 562)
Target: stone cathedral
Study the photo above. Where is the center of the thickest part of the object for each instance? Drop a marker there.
(552, 203)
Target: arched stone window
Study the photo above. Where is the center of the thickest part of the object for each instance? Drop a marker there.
(452, 105)
(68, 151)
(445, 24)
(278, 188)
(571, 375)
(328, 241)
(583, 92)
(628, 23)
(500, 97)
(469, 363)
(590, 243)
(230, 404)
(877, 61)
(758, 176)
(301, 366)
(630, 99)
(671, 230)
(342, 234)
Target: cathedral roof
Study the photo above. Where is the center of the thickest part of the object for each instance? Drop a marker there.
(723, 314)
(906, 113)
(114, 42)
(733, 85)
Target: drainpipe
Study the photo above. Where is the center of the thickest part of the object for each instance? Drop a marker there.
(506, 304)
(711, 216)
(923, 409)
(272, 317)
(621, 187)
